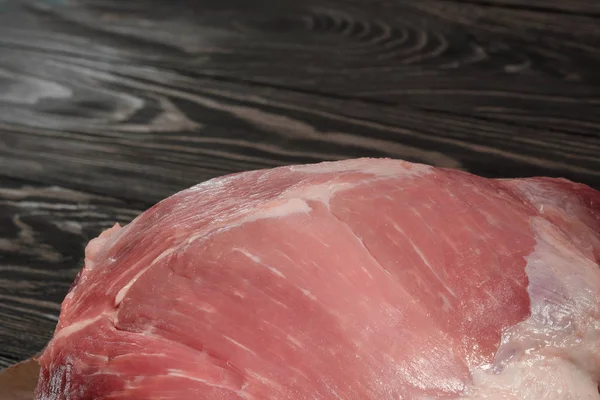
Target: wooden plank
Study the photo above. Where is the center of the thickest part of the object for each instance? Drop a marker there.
(579, 7)
(220, 127)
(165, 97)
(43, 231)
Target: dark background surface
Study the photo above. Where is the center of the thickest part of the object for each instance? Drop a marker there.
(109, 106)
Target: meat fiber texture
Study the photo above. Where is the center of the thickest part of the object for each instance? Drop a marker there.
(360, 279)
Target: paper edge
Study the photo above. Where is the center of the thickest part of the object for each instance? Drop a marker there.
(18, 381)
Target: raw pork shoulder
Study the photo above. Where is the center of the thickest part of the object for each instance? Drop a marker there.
(360, 279)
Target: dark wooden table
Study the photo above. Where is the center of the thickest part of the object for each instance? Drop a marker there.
(109, 106)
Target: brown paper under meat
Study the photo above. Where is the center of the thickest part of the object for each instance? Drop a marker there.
(18, 382)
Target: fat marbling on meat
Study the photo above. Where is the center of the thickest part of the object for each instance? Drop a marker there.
(359, 279)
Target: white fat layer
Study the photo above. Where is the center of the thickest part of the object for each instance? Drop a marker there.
(125, 289)
(555, 353)
(84, 323)
(377, 167)
(322, 193)
(283, 209)
(99, 245)
(536, 378)
(77, 326)
(208, 382)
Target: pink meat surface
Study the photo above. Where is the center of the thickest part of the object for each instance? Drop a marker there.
(359, 279)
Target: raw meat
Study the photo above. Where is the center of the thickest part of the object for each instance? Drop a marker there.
(360, 279)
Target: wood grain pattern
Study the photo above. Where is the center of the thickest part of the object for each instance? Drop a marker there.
(108, 106)
(43, 230)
